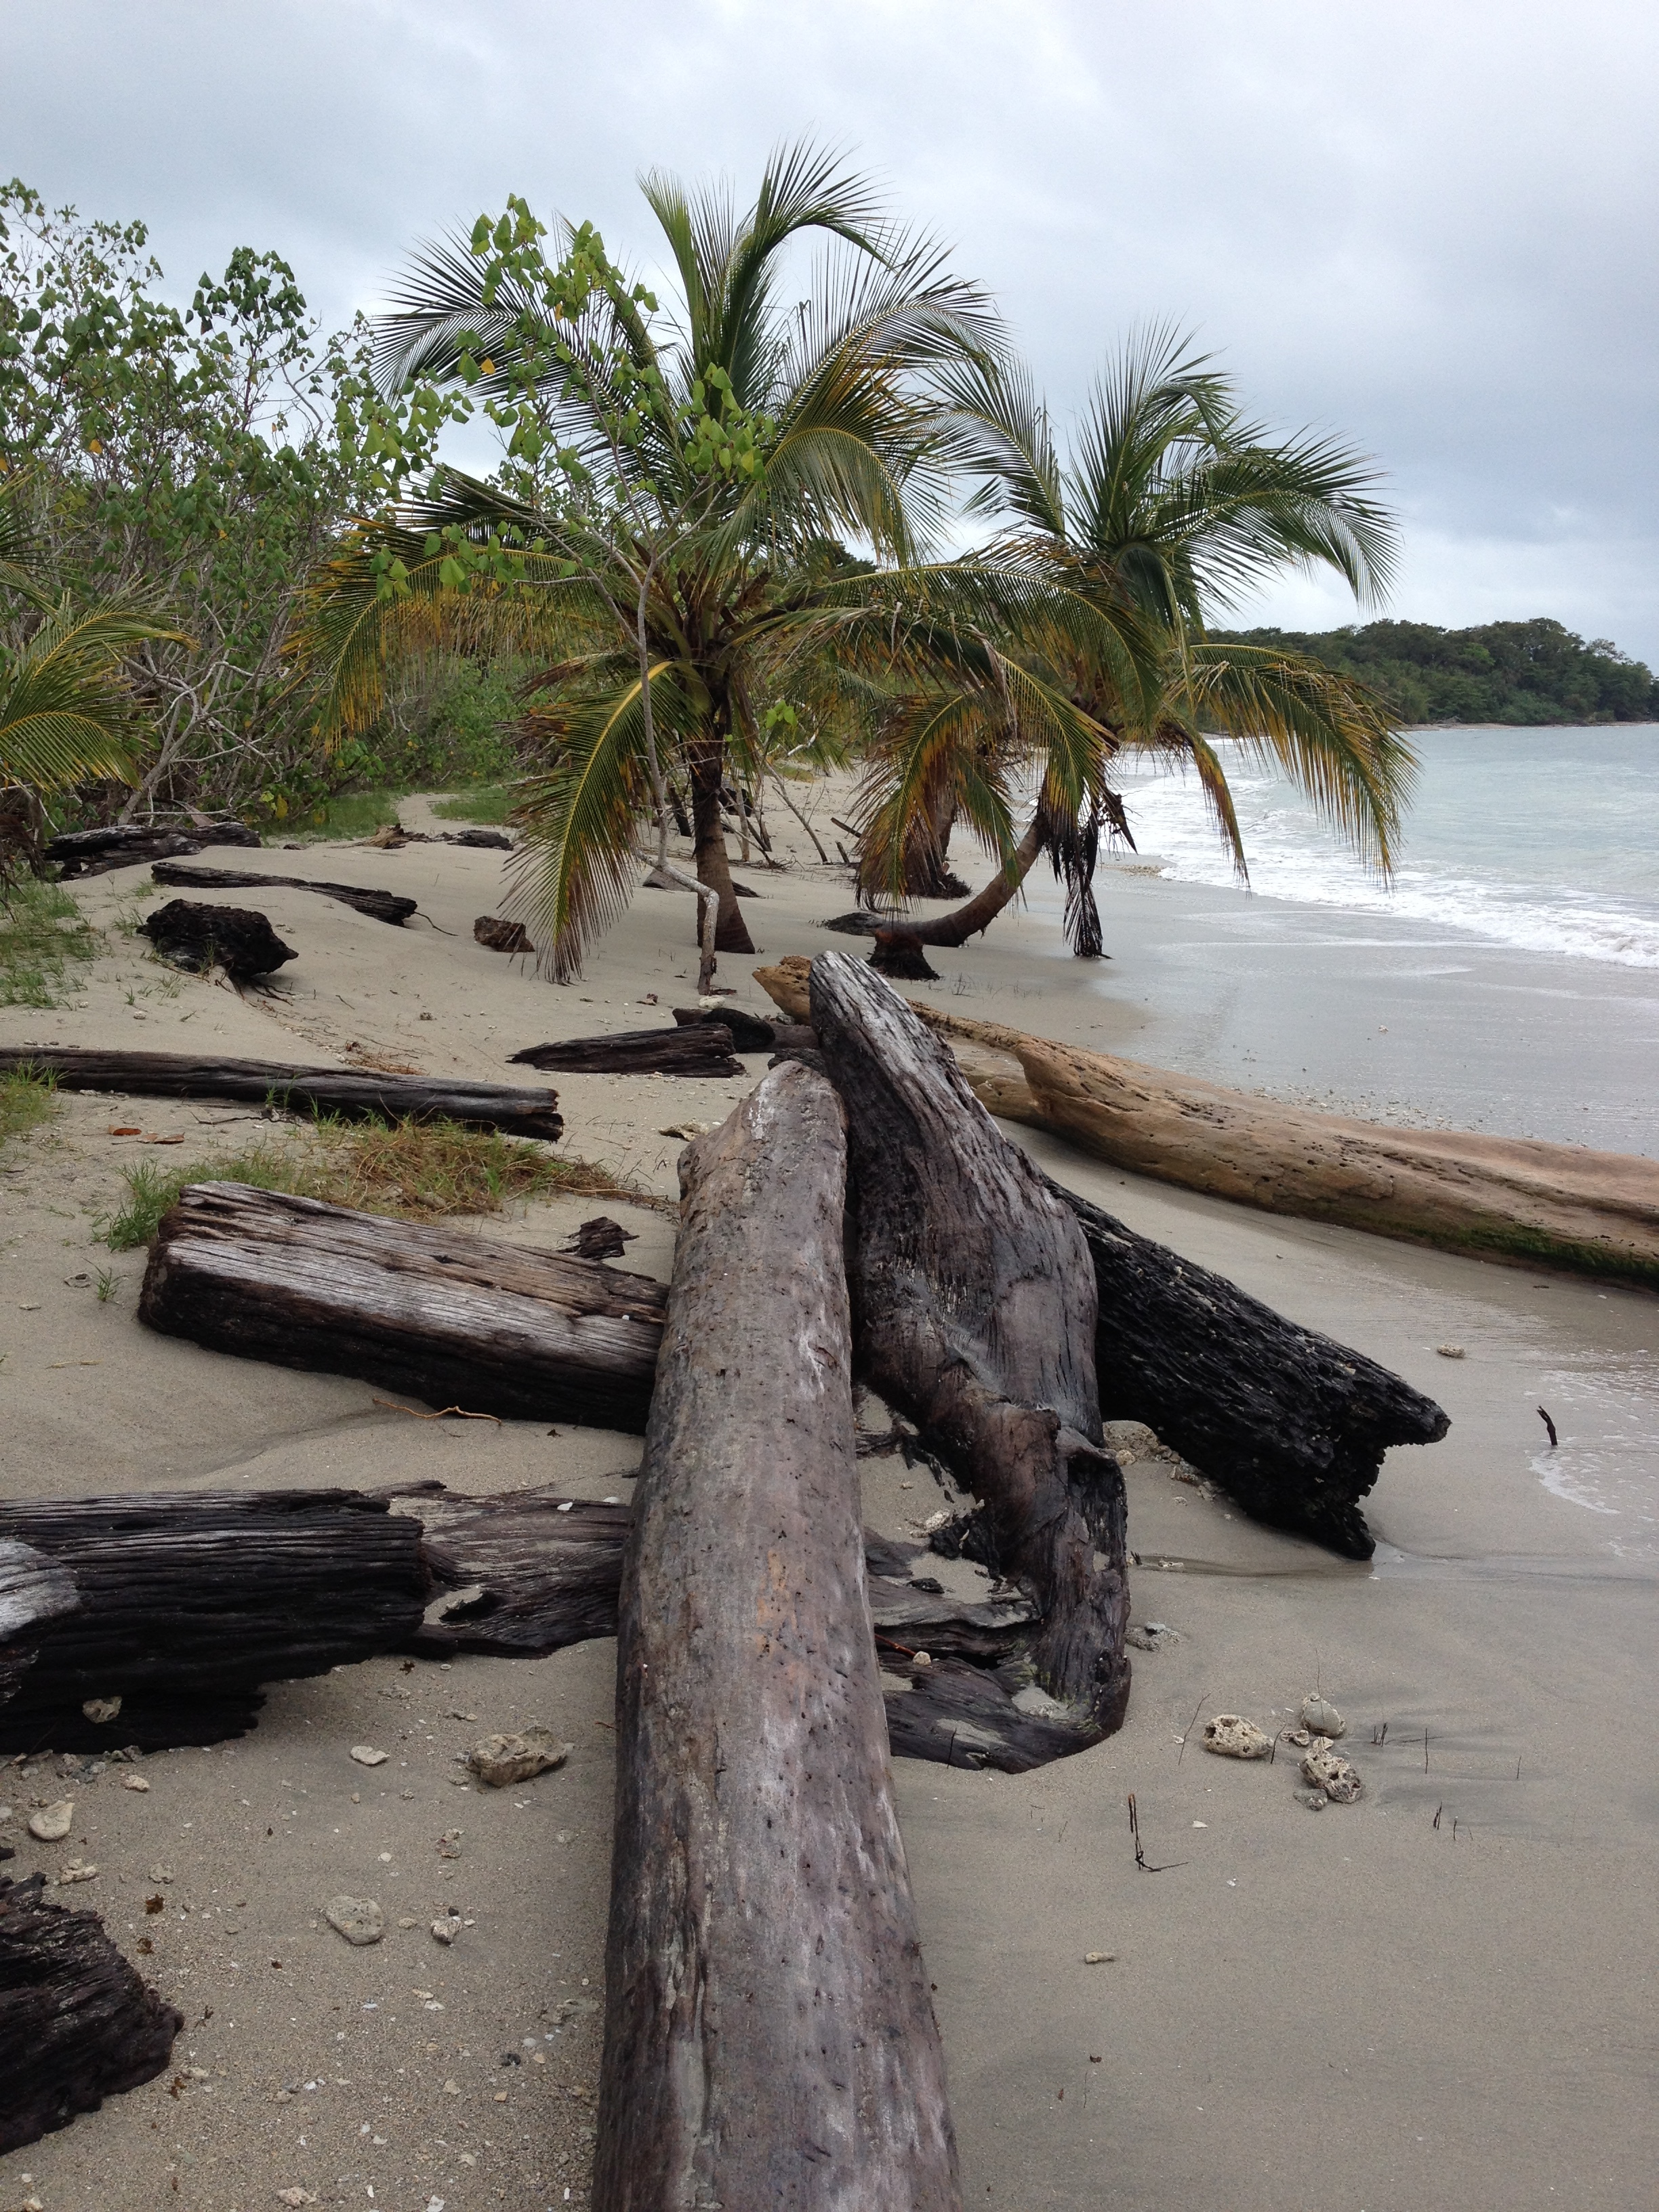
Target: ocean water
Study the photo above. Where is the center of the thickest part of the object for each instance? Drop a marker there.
(1546, 840)
(1507, 980)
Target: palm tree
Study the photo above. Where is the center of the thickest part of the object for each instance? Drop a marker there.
(1172, 506)
(669, 533)
(66, 710)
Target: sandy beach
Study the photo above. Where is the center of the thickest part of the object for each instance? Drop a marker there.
(1444, 1996)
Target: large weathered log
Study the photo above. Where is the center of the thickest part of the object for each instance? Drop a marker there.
(125, 845)
(380, 906)
(237, 938)
(1494, 1198)
(770, 2038)
(174, 1609)
(1290, 1423)
(702, 1048)
(975, 1310)
(454, 1320)
(76, 2023)
(347, 1092)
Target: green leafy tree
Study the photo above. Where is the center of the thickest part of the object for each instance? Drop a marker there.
(202, 457)
(1171, 506)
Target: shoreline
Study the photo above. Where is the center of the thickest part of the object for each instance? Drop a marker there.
(1420, 1982)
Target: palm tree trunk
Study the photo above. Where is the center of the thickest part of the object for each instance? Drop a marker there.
(708, 766)
(982, 909)
(927, 871)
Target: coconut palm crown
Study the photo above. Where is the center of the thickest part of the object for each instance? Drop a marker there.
(668, 532)
(1174, 504)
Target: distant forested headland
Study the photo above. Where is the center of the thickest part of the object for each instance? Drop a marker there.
(1519, 672)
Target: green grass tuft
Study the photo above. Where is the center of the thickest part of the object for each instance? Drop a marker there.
(414, 1170)
(26, 1099)
(36, 947)
(348, 814)
(491, 803)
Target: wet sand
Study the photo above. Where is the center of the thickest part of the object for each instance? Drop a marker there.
(1358, 2008)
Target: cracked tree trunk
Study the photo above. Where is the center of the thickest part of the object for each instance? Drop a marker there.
(769, 2036)
(975, 1310)
(714, 868)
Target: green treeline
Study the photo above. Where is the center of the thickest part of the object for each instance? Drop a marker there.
(1523, 673)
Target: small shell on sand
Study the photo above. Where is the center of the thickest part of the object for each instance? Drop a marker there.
(1452, 1352)
(501, 1760)
(1320, 1716)
(52, 1822)
(134, 1782)
(1231, 1736)
(366, 1755)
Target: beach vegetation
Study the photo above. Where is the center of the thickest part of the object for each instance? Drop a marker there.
(44, 938)
(28, 1098)
(1171, 503)
(413, 1170)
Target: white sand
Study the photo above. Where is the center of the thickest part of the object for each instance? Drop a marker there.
(1352, 2008)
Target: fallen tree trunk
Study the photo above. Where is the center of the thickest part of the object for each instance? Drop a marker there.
(76, 2023)
(1290, 1423)
(448, 1319)
(237, 938)
(769, 2036)
(698, 1048)
(1494, 1198)
(974, 1307)
(353, 1095)
(380, 906)
(750, 1032)
(155, 1619)
(127, 844)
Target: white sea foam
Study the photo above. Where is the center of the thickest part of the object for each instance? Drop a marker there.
(1475, 857)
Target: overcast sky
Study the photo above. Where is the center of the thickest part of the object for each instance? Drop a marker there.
(1429, 227)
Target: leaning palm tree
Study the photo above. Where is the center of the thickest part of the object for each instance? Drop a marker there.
(1174, 506)
(669, 533)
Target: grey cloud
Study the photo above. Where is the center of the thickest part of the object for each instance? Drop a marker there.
(1429, 228)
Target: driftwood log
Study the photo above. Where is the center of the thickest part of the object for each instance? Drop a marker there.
(451, 1320)
(497, 935)
(702, 1049)
(352, 1094)
(974, 1307)
(125, 845)
(380, 906)
(1290, 1423)
(76, 2023)
(153, 1620)
(750, 1032)
(769, 2036)
(237, 938)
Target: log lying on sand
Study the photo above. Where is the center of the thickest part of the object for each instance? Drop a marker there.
(452, 1319)
(351, 1094)
(700, 1049)
(125, 845)
(1291, 1424)
(750, 1032)
(153, 1620)
(769, 2036)
(1494, 1198)
(974, 1306)
(380, 906)
(76, 2023)
(498, 935)
(237, 938)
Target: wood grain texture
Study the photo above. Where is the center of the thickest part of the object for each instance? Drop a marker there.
(446, 1318)
(184, 1604)
(381, 906)
(974, 1312)
(76, 2023)
(1290, 1423)
(348, 1092)
(237, 938)
(770, 2036)
(700, 1049)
